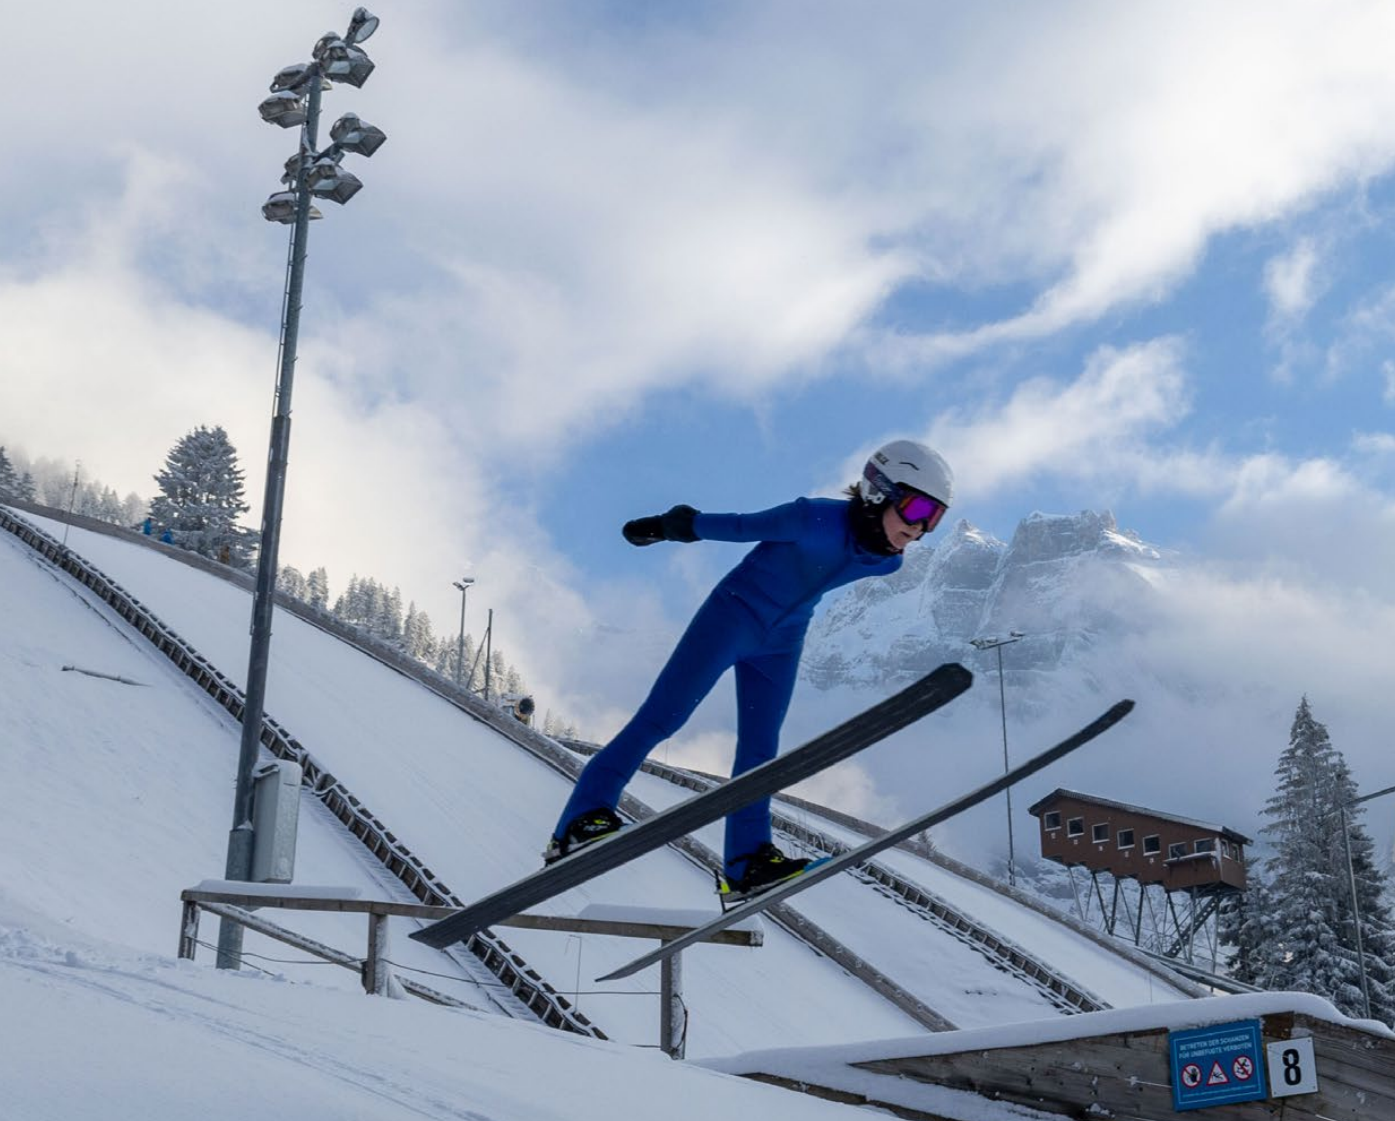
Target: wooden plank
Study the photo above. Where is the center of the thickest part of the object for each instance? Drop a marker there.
(1130, 1074)
(662, 932)
(571, 924)
(307, 903)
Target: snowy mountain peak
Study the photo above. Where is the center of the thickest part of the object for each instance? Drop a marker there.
(1053, 536)
(1064, 581)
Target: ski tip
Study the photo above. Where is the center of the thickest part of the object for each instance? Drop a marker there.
(952, 673)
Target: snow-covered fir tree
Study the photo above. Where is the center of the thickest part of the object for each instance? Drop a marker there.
(472, 669)
(371, 606)
(417, 638)
(1245, 924)
(9, 477)
(201, 499)
(318, 589)
(292, 581)
(1303, 930)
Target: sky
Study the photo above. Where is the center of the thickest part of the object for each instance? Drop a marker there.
(614, 257)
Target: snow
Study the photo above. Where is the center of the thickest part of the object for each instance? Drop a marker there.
(110, 1034)
(275, 891)
(120, 798)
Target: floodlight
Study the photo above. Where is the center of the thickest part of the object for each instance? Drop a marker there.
(285, 108)
(361, 26)
(327, 180)
(325, 41)
(344, 63)
(354, 135)
(280, 207)
(289, 77)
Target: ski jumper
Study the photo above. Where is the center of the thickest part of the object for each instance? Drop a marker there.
(754, 621)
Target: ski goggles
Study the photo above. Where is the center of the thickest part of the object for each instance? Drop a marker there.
(913, 505)
(916, 508)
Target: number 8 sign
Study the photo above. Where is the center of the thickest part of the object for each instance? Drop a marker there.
(1292, 1068)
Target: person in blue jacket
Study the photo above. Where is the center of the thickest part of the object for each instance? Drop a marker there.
(754, 621)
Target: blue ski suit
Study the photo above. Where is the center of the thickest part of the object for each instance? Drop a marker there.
(754, 620)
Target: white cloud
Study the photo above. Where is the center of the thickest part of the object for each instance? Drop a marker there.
(1373, 443)
(1368, 327)
(1148, 129)
(1292, 282)
(1091, 428)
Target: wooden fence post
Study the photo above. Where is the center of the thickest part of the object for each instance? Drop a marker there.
(673, 1016)
(377, 974)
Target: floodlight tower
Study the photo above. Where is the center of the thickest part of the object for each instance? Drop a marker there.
(294, 102)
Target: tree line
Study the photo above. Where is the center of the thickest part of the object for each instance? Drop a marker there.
(198, 506)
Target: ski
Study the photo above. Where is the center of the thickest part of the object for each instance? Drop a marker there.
(923, 697)
(853, 857)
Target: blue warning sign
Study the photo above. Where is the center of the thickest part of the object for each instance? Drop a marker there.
(1217, 1065)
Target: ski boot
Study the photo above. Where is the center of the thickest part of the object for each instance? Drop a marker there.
(584, 829)
(760, 871)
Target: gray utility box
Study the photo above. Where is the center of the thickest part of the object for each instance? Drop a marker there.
(275, 818)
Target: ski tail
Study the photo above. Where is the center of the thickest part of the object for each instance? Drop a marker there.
(864, 852)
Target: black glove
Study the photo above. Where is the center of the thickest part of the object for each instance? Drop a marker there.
(676, 525)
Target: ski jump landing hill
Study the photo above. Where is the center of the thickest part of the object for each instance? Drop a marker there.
(907, 946)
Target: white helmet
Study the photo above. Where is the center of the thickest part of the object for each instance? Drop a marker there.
(906, 463)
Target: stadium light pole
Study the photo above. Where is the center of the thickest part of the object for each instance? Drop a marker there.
(1355, 900)
(464, 585)
(294, 101)
(994, 643)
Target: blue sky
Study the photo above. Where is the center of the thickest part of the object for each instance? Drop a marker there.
(615, 256)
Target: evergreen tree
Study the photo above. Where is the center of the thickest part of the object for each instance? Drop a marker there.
(290, 581)
(26, 489)
(417, 638)
(200, 497)
(346, 606)
(471, 675)
(498, 673)
(9, 478)
(1312, 931)
(387, 616)
(1245, 923)
(318, 584)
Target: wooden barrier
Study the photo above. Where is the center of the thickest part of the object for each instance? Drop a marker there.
(1115, 1064)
